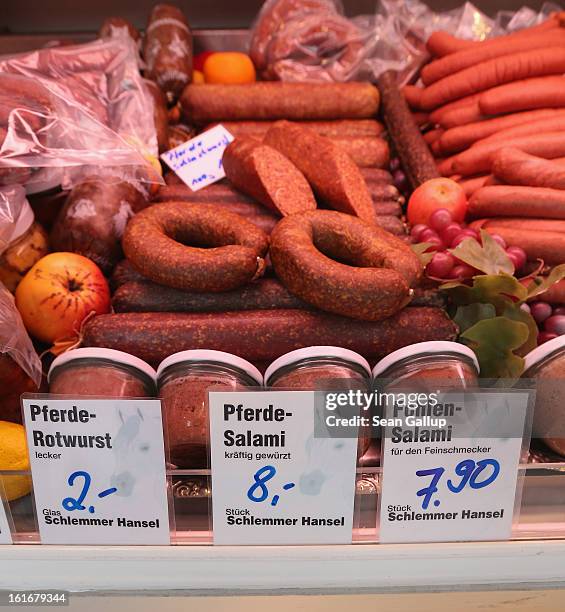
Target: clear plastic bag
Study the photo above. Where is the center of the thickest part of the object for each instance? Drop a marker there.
(311, 40)
(70, 110)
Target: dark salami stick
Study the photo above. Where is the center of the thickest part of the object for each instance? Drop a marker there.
(416, 159)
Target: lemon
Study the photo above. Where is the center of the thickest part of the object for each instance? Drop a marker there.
(14, 457)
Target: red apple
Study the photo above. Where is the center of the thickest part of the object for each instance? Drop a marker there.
(435, 194)
(58, 293)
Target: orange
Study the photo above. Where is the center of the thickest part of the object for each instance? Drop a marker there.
(229, 67)
(197, 77)
(13, 458)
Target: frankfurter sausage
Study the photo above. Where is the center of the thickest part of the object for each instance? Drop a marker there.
(554, 123)
(509, 201)
(260, 335)
(234, 257)
(442, 43)
(437, 115)
(414, 154)
(549, 246)
(518, 168)
(527, 94)
(278, 100)
(463, 115)
(268, 176)
(534, 225)
(167, 50)
(374, 285)
(333, 175)
(472, 184)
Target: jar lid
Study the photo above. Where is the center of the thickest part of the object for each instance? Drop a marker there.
(543, 351)
(213, 356)
(317, 351)
(106, 354)
(421, 348)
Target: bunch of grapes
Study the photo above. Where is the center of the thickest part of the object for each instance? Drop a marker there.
(550, 320)
(443, 233)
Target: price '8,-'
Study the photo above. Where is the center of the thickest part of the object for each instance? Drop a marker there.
(470, 473)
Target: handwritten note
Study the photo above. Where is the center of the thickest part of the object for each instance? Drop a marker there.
(198, 162)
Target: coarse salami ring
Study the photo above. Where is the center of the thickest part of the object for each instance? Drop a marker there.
(227, 253)
(342, 265)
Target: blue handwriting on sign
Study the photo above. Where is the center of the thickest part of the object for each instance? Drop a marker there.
(258, 492)
(468, 471)
(194, 151)
(70, 503)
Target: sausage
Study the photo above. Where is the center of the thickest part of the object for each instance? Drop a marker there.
(160, 114)
(21, 114)
(478, 158)
(518, 168)
(414, 154)
(124, 273)
(471, 185)
(332, 174)
(15, 175)
(117, 27)
(179, 134)
(221, 191)
(438, 114)
(463, 115)
(30, 92)
(306, 251)
(263, 335)
(234, 255)
(167, 50)
(533, 225)
(500, 46)
(549, 246)
(510, 201)
(277, 100)
(413, 96)
(376, 175)
(527, 94)
(432, 135)
(555, 123)
(339, 128)
(442, 43)
(92, 221)
(263, 294)
(391, 224)
(384, 192)
(263, 173)
(555, 294)
(366, 152)
(390, 208)
(458, 138)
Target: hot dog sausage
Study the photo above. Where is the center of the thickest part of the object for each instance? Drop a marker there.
(527, 94)
(306, 250)
(507, 201)
(518, 168)
(333, 175)
(549, 246)
(233, 257)
(268, 176)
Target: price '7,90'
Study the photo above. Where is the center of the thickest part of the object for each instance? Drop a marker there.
(477, 475)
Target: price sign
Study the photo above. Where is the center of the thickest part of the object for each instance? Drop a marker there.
(98, 469)
(198, 162)
(5, 534)
(273, 480)
(452, 477)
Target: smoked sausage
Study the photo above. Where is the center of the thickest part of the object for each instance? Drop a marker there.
(344, 266)
(154, 242)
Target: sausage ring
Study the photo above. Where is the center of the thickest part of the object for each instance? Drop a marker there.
(341, 265)
(227, 253)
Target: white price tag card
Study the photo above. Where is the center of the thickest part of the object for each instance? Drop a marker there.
(5, 534)
(273, 481)
(198, 162)
(98, 469)
(450, 467)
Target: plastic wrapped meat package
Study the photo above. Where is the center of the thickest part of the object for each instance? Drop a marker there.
(68, 112)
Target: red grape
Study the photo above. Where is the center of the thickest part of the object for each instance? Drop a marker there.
(441, 265)
(449, 233)
(560, 310)
(427, 234)
(541, 311)
(499, 239)
(417, 230)
(526, 308)
(459, 239)
(555, 325)
(469, 231)
(517, 255)
(545, 336)
(440, 219)
(462, 271)
(435, 244)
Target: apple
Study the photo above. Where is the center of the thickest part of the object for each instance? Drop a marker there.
(434, 194)
(59, 291)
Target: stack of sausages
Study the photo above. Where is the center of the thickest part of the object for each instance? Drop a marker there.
(481, 96)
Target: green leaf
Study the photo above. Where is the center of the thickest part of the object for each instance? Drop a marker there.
(494, 342)
(540, 285)
(467, 316)
(489, 257)
(420, 250)
(495, 289)
(515, 313)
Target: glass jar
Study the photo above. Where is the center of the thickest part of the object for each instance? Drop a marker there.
(184, 380)
(428, 366)
(322, 368)
(28, 244)
(101, 372)
(546, 366)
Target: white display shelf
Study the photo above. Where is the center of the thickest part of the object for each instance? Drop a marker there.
(214, 570)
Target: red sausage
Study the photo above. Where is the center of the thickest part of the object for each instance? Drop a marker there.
(510, 201)
(527, 94)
